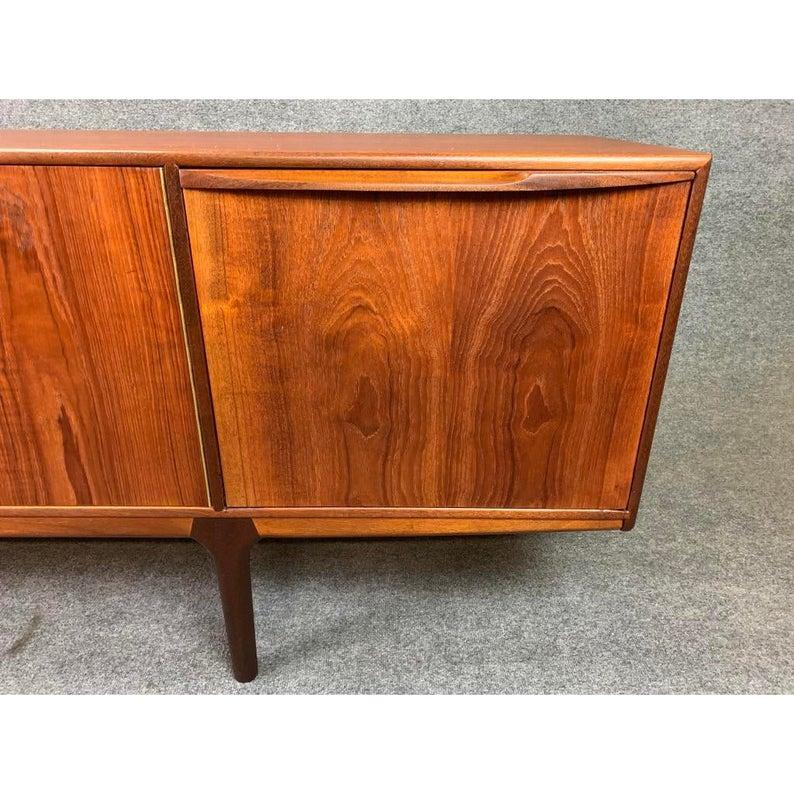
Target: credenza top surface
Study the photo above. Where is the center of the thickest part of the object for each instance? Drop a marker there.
(340, 150)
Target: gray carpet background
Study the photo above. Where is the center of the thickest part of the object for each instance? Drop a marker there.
(698, 598)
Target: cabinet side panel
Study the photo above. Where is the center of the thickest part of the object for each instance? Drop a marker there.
(96, 405)
(675, 299)
(455, 350)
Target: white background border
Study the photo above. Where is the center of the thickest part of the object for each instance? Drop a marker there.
(491, 49)
(408, 49)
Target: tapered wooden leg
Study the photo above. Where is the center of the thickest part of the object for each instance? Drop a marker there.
(229, 541)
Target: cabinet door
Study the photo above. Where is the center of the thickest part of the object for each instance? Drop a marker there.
(433, 347)
(95, 397)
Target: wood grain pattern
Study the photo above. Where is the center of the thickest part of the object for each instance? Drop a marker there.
(340, 150)
(297, 523)
(95, 397)
(447, 513)
(408, 527)
(464, 514)
(87, 511)
(421, 181)
(432, 350)
(95, 527)
(229, 542)
(191, 319)
(675, 298)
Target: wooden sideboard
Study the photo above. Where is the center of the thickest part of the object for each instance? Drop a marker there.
(230, 336)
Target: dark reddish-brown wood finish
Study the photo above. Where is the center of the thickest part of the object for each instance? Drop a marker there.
(407, 334)
(422, 181)
(675, 298)
(229, 542)
(341, 150)
(435, 350)
(195, 339)
(96, 405)
(95, 526)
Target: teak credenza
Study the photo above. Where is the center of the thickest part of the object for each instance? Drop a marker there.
(229, 336)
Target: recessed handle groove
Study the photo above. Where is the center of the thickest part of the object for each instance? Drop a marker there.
(420, 181)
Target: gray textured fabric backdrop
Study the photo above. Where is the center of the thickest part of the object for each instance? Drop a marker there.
(698, 598)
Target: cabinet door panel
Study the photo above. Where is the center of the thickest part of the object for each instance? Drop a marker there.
(96, 405)
(432, 349)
